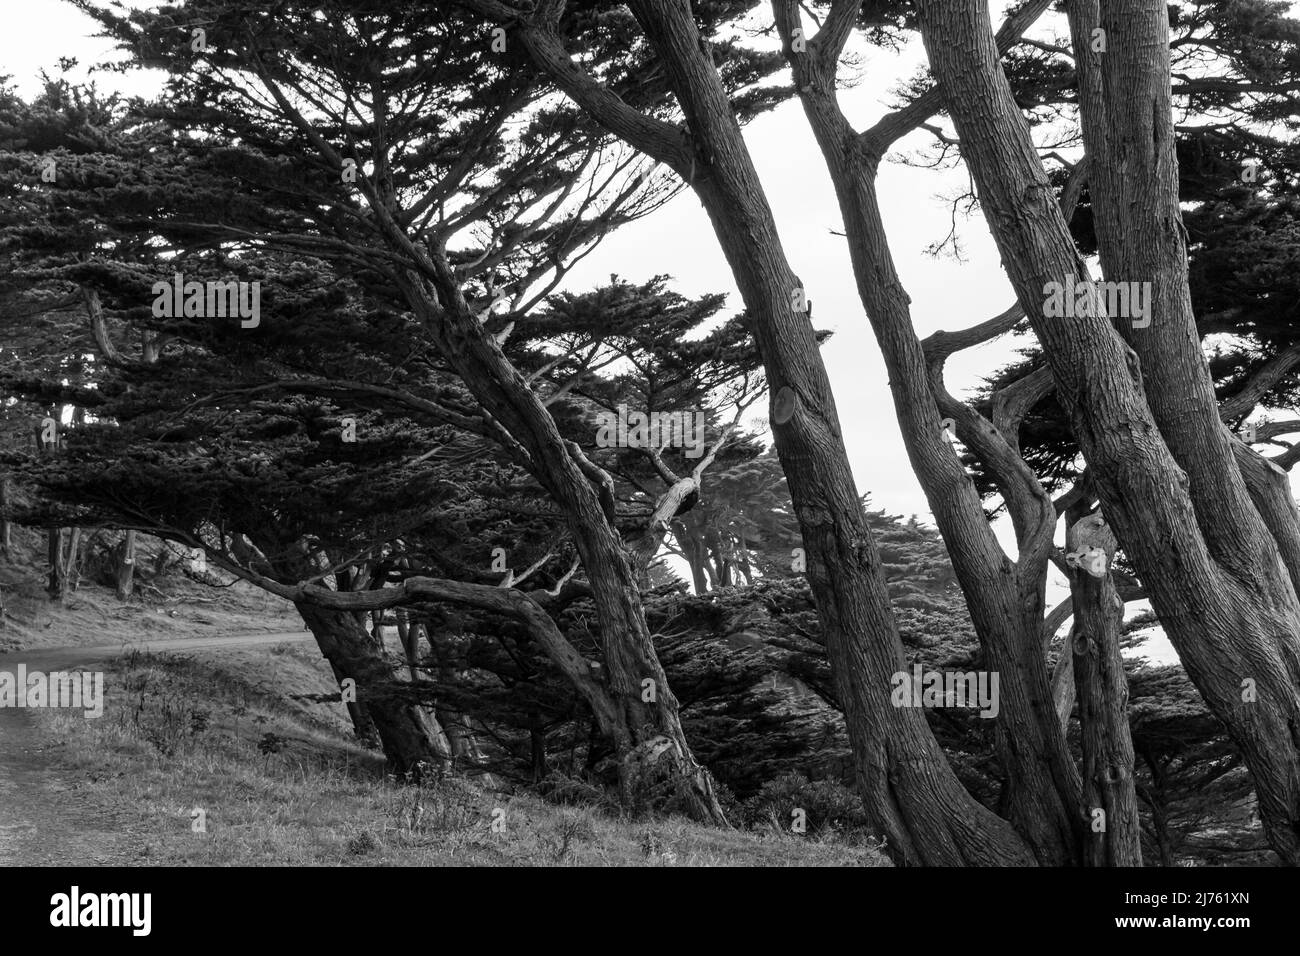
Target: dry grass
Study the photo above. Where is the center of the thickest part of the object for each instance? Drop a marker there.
(279, 783)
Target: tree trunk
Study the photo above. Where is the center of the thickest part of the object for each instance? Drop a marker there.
(1234, 625)
(6, 526)
(1006, 600)
(1110, 799)
(64, 550)
(459, 727)
(408, 635)
(412, 740)
(537, 749)
(641, 723)
(909, 791)
(363, 728)
(688, 537)
(410, 736)
(54, 586)
(54, 558)
(125, 566)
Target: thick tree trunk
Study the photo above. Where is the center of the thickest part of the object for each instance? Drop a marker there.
(909, 791)
(412, 740)
(1234, 625)
(1006, 600)
(363, 728)
(1126, 106)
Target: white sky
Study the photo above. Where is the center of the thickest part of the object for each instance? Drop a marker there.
(678, 240)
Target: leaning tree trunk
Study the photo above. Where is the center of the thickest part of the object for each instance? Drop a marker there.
(410, 737)
(1006, 601)
(412, 740)
(1234, 624)
(909, 791)
(363, 728)
(646, 728)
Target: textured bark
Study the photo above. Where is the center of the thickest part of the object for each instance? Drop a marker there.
(412, 740)
(1114, 834)
(517, 419)
(410, 737)
(1270, 492)
(363, 728)
(629, 654)
(1126, 107)
(1005, 599)
(1233, 625)
(909, 791)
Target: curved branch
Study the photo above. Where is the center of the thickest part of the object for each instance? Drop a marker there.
(893, 127)
(661, 141)
(1258, 384)
(1012, 404)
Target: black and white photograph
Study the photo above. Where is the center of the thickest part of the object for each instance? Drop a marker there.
(673, 434)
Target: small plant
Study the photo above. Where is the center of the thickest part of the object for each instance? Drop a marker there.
(827, 804)
(360, 844)
(558, 787)
(268, 745)
(572, 827)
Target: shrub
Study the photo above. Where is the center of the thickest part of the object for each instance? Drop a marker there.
(826, 804)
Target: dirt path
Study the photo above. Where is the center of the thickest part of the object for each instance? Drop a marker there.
(42, 821)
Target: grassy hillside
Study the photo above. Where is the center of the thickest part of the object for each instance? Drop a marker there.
(277, 776)
(279, 783)
(170, 606)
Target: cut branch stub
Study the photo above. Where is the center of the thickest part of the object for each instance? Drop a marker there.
(784, 405)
